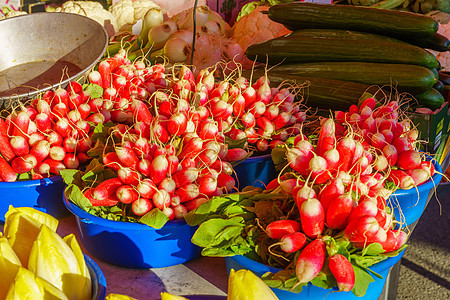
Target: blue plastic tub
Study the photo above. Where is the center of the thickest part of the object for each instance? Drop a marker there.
(135, 245)
(314, 292)
(97, 278)
(255, 171)
(408, 205)
(41, 194)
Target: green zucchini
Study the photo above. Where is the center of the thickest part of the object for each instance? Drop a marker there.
(315, 45)
(395, 23)
(403, 77)
(437, 42)
(319, 92)
(431, 98)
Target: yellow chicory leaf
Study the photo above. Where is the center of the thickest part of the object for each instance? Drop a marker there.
(28, 286)
(84, 289)
(22, 226)
(244, 284)
(168, 296)
(52, 259)
(9, 266)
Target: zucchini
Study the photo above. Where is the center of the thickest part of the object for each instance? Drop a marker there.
(431, 98)
(403, 77)
(395, 23)
(315, 45)
(319, 92)
(437, 42)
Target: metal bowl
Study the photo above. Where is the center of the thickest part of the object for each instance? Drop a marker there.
(41, 51)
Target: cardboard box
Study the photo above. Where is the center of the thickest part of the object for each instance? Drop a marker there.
(432, 127)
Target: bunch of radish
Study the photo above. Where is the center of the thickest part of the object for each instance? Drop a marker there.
(393, 141)
(262, 115)
(341, 181)
(50, 133)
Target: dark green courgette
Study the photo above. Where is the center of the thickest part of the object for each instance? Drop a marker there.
(431, 98)
(316, 45)
(319, 92)
(404, 78)
(437, 42)
(395, 23)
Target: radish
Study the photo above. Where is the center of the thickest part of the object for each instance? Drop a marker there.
(159, 168)
(41, 150)
(312, 217)
(409, 159)
(310, 261)
(390, 152)
(24, 164)
(188, 192)
(207, 185)
(6, 172)
(193, 204)
(129, 176)
(146, 188)
(346, 148)
(161, 199)
(57, 153)
(363, 231)
(71, 161)
(225, 181)
(402, 143)
(177, 123)
(104, 69)
(419, 175)
(236, 154)
(185, 176)
(303, 193)
(291, 242)
(168, 184)
(109, 201)
(141, 206)
(127, 156)
(394, 240)
(21, 123)
(179, 211)
(279, 228)
(106, 188)
(326, 140)
(126, 194)
(19, 145)
(330, 191)
(365, 208)
(5, 146)
(319, 169)
(381, 163)
(401, 179)
(343, 272)
(338, 211)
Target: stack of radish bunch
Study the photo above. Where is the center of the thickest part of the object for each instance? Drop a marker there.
(393, 141)
(49, 134)
(339, 185)
(265, 116)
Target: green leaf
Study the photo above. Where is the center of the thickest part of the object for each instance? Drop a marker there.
(362, 281)
(74, 194)
(235, 143)
(94, 90)
(217, 252)
(207, 210)
(154, 218)
(70, 175)
(373, 249)
(214, 231)
(24, 176)
(278, 155)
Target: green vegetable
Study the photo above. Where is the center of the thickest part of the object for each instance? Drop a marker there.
(301, 15)
(409, 78)
(315, 45)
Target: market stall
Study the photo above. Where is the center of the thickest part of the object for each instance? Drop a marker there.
(276, 151)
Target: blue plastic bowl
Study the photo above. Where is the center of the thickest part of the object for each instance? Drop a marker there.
(135, 245)
(41, 194)
(97, 278)
(408, 205)
(314, 292)
(255, 171)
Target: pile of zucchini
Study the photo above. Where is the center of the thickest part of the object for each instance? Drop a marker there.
(333, 46)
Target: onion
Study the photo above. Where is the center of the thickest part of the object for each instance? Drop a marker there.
(159, 34)
(177, 50)
(184, 35)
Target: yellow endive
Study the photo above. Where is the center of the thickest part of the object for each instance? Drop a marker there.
(28, 286)
(52, 259)
(84, 290)
(168, 296)
(244, 285)
(22, 226)
(9, 266)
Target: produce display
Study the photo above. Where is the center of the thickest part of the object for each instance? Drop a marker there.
(154, 131)
(37, 263)
(329, 209)
(323, 34)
